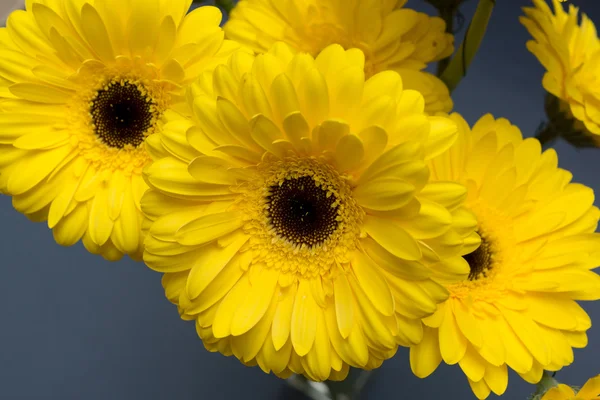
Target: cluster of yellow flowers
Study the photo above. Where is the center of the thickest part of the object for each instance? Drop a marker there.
(298, 179)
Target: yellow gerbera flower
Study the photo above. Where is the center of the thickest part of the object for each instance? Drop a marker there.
(589, 391)
(569, 52)
(392, 37)
(517, 307)
(293, 216)
(82, 85)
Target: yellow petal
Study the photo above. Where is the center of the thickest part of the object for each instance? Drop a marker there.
(480, 389)
(344, 309)
(441, 136)
(467, 323)
(42, 140)
(529, 333)
(209, 263)
(95, 33)
(556, 312)
(257, 302)
(40, 93)
(35, 169)
(172, 71)
(314, 97)
(143, 26)
(496, 378)
(395, 156)
(211, 170)
(591, 388)
(349, 153)
(425, 357)
(373, 283)
(330, 132)
(126, 232)
(384, 194)
(318, 358)
(304, 319)
(209, 227)
(220, 285)
(234, 299)
(100, 223)
(283, 93)
(393, 238)
(453, 344)
(560, 392)
(472, 364)
(71, 228)
(282, 321)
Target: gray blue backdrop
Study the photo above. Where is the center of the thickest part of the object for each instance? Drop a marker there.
(73, 326)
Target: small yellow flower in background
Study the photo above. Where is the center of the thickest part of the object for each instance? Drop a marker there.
(517, 309)
(569, 52)
(82, 85)
(392, 37)
(589, 391)
(293, 217)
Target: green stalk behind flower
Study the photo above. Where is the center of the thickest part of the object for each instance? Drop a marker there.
(462, 59)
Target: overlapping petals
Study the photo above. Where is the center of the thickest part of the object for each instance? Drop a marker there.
(391, 36)
(570, 53)
(55, 57)
(539, 249)
(280, 124)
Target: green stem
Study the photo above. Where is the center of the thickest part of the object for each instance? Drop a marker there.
(447, 14)
(457, 68)
(348, 389)
(226, 5)
(547, 383)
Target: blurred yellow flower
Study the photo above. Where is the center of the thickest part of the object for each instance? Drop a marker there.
(517, 309)
(293, 217)
(589, 391)
(82, 86)
(391, 36)
(570, 53)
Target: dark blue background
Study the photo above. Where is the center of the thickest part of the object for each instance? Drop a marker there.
(73, 326)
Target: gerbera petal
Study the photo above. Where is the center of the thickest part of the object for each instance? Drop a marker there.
(210, 263)
(282, 320)
(559, 392)
(496, 378)
(349, 152)
(425, 357)
(384, 194)
(373, 283)
(473, 365)
(590, 389)
(39, 166)
(304, 320)
(344, 309)
(480, 389)
(529, 333)
(393, 238)
(257, 196)
(227, 308)
(453, 344)
(259, 298)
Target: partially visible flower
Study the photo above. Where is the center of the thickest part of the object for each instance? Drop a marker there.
(82, 86)
(570, 53)
(391, 36)
(517, 308)
(293, 217)
(589, 391)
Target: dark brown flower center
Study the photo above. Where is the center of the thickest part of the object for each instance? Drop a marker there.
(301, 211)
(480, 260)
(122, 114)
